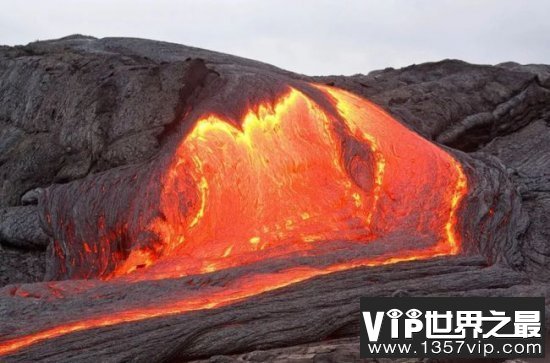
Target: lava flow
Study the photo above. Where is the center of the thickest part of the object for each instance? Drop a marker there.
(291, 176)
(289, 179)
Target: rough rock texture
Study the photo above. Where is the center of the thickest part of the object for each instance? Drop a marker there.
(81, 108)
(67, 112)
(330, 351)
(337, 350)
(17, 266)
(20, 227)
(320, 308)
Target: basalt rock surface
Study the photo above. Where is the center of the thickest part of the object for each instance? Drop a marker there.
(81, 116)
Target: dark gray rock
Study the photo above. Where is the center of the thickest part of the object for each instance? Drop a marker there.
(527, 154)
(32, 196)
(22, 245)
(20, 227)
(66, 112)
(17, 266)
(337, 350)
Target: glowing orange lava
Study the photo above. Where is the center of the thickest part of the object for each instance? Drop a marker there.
(291, 177)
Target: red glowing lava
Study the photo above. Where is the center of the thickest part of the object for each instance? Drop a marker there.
(292, 176)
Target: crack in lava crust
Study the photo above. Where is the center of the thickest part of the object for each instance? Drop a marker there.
(292, 176)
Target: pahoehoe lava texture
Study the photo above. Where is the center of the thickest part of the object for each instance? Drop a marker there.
(93, 147)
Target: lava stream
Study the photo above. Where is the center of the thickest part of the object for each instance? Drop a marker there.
(290, 177)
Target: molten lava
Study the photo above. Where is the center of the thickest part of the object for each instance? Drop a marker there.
(293, 175)
(290, 179)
